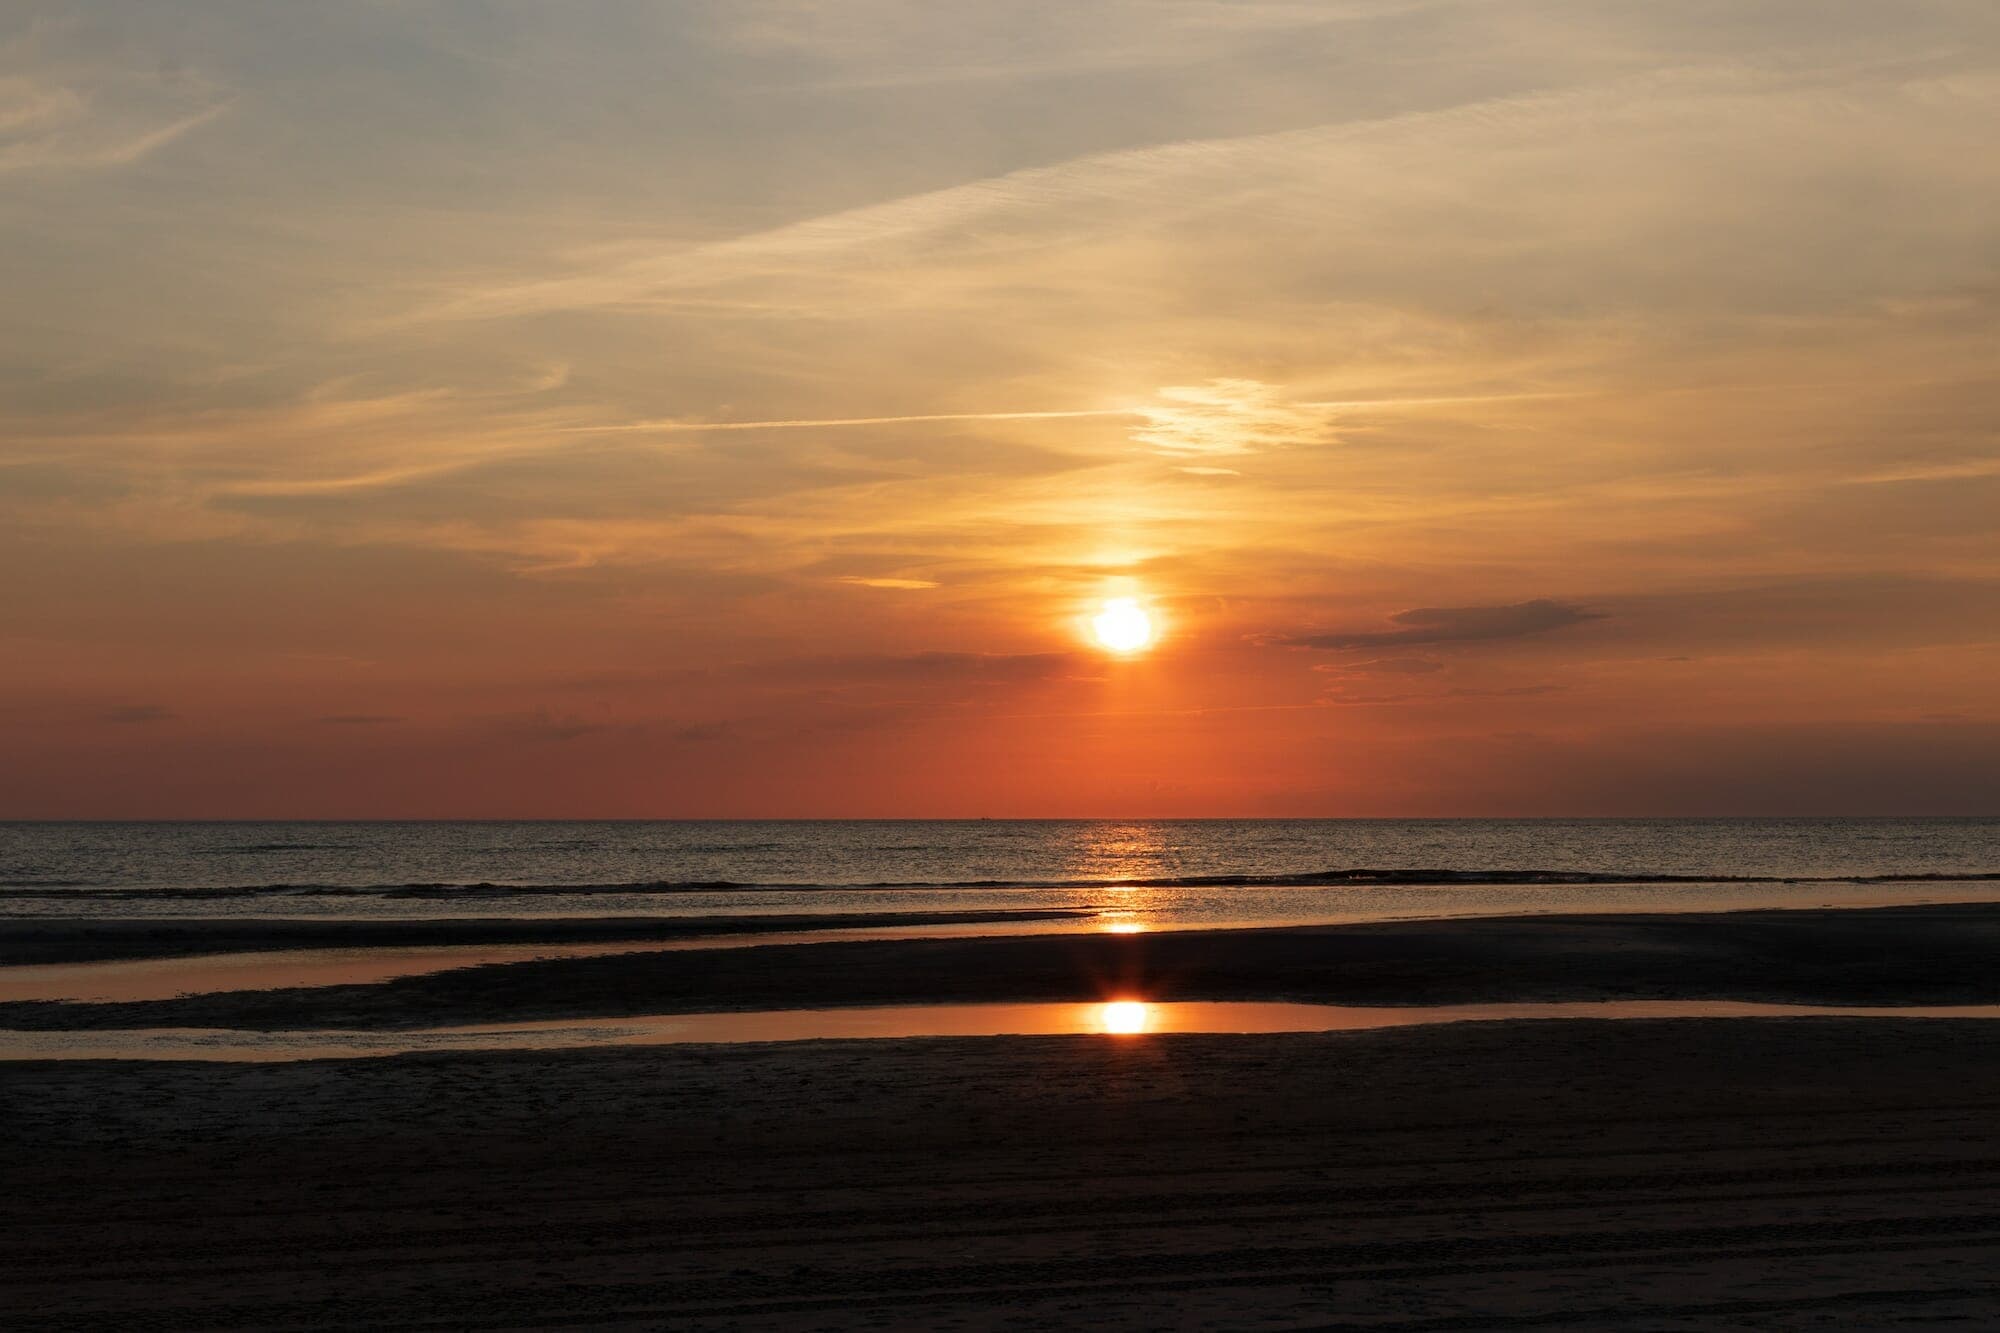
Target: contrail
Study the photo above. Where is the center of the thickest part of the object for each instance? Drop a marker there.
(1137, 411)
(1156, 409)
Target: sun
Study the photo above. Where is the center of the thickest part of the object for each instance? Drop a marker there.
(1122, 626)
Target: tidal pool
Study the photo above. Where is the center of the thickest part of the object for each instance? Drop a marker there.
(1117, 1019)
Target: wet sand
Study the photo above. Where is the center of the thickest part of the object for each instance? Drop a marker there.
(1767, 1174)
(1935, 955)
(46, 940)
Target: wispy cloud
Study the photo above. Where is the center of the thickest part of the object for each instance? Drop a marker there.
(1304, 176)
(1228, 416)
(1456, 624)
(772, 363)
(906, 585)
(62, 113)
(895, 44)
(930, 667)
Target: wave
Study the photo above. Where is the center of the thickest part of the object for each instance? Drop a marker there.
(1347, 878)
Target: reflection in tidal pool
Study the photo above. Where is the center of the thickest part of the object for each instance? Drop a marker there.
(1119, 1017)
(1125, 1016)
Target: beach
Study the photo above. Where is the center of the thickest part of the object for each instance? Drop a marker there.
(1109, 665)
(1778, 1174)
(1618, 1173)
(1936, 955)
(63, 939)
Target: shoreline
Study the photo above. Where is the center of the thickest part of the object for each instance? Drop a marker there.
(60, 939)
(1883, 956)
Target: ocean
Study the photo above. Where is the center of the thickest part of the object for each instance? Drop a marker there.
(1162, 872)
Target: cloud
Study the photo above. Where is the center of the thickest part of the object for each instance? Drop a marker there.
(876, 45)
(1225, 417)
(916, 668)
(1694, 300)
(1120, 182)
(1375, 207)
(904, 584)
(1221, 416)
(1388, 666)
(60, 113)
(1457, 624)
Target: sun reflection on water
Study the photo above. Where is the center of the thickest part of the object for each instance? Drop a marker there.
(1113, 854)
(1125, 1017)
(1120, 851)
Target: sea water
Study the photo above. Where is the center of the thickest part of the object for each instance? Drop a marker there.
(1151, 873)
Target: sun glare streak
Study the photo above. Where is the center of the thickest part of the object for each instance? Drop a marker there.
(1125, 1017)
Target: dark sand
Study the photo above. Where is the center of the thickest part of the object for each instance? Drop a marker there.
(1753, 1174)
(1937, 955)
(1658, 1175)
(98, 939)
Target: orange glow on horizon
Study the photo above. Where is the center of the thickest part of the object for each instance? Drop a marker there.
(1012, 466)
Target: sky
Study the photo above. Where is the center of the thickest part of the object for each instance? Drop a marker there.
(433, 409)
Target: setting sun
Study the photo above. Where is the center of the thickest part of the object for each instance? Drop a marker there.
(1120, 572)
(1122, 626)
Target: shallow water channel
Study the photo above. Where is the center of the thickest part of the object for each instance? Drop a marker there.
(1112, 1020)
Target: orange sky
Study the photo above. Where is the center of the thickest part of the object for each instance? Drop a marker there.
(659, 410)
